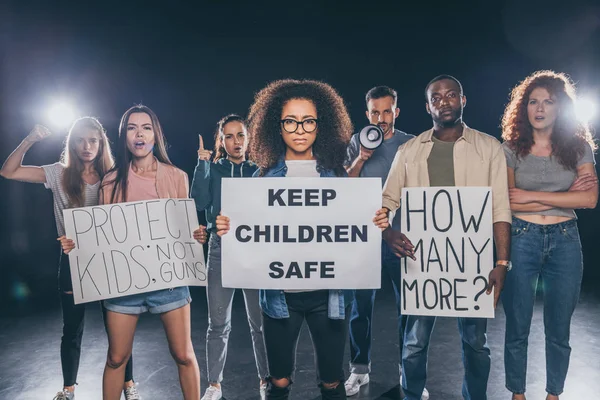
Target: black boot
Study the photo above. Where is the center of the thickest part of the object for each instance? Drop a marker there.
(337, 393)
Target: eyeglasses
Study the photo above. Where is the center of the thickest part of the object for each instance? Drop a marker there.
(291, 125)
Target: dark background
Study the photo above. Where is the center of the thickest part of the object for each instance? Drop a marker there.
(194, 64)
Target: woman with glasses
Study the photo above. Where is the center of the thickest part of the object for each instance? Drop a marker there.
(301, 129)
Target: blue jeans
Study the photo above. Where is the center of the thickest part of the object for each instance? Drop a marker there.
(220, 300)
(554, 253)
(361, 317)
(475, 355)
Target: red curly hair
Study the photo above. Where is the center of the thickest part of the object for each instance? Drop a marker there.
(569, 136)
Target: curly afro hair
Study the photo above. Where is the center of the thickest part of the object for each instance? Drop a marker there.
(334, 130)
(569, 136)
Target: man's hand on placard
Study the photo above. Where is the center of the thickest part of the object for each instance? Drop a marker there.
(399, 243)
(202, 153)
(496, 282)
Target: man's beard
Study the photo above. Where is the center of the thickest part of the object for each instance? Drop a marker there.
(456, 116)
(389, 128)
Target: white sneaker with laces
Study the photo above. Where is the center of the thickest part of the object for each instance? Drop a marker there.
(131, 393)
(263, 391)
(64, 395)
(213, 393)
(354, 382)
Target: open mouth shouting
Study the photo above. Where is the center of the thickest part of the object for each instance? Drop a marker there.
(139, 144)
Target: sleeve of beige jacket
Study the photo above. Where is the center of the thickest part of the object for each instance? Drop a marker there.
(392, 190)
(184, 187)
(499, 183)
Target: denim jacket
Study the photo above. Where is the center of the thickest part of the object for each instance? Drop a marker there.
(272, 302)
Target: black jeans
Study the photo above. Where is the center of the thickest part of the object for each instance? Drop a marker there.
(328, 337)
(73, 321)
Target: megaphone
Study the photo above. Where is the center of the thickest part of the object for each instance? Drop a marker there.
(371, 137)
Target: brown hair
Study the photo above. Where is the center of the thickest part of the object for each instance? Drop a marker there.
(72, 182)
(334, 130)
(219, 146)
(123, 155)
(569, 137)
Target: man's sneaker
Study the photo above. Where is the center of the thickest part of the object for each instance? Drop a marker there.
(424, 396)
(64, 395)
(263, 391)
(354, 382)
(131, 393)
(213, 393)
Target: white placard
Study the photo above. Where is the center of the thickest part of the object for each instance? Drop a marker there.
(301, 233)
(451, 229)
(136, 247)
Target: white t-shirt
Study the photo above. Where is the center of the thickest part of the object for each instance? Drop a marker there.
(54, 173)
(301, 169)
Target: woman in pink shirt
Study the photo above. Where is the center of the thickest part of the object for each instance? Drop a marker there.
(143, 171)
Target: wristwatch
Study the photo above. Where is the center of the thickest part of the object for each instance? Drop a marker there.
(504, 263)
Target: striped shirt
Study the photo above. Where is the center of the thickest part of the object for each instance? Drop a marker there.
(54, 173)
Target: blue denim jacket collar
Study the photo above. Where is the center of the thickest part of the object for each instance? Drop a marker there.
(272, 302)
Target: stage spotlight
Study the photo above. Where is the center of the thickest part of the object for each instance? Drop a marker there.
(585, 109)
(61, 115)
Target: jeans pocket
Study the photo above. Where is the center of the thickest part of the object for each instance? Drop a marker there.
(517, 231)
(570, 232)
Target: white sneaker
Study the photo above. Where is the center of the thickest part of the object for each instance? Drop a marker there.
(213, 393)
(354, 382)
(263, 391)
(131, 393)
(424, 396)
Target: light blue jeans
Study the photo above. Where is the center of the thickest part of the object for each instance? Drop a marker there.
(220, 300)
(552, 252)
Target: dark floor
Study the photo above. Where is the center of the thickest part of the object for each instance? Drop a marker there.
(30, 363)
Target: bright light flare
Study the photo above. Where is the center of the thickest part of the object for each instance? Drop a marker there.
(61, 115)
(585, 109)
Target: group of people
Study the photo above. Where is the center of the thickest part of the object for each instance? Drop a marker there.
(301, 128)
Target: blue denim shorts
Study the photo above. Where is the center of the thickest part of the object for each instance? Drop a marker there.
(157, 302)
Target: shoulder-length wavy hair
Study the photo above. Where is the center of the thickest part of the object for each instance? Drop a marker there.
(333, 132)
(569, 136)
(72, 181)
(123, 155)
(220, 151)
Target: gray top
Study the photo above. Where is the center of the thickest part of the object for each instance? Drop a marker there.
(54, 174)
(544, 174)
(440, 163)
(380, 162)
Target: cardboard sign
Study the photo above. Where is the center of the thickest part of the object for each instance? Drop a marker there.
(128, 248)
(301, 233)
(451, 229)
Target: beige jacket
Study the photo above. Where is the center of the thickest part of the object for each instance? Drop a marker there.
(478, 161)
(171, 182)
